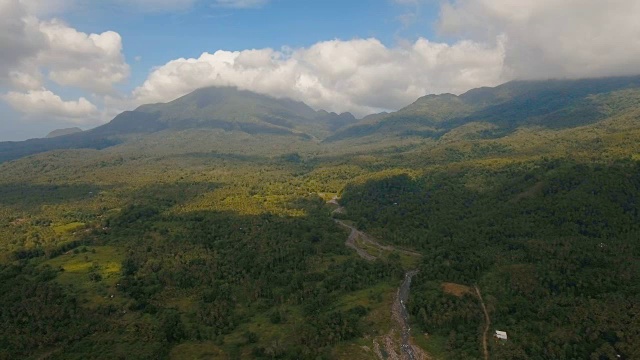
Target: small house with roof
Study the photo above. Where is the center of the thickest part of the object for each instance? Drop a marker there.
(502, 335)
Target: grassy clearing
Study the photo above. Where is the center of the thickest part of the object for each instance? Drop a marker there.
(457, 289)
(371, 297)
(68, 228)
(378, 300)
(408, 261)
(435, 346)
(92, 272)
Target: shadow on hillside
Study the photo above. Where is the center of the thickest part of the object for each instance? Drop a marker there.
(27, 195)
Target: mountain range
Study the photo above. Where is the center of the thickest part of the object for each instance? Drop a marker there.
(479, 113)
(232, 225)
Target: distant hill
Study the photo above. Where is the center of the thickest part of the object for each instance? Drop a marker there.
(552, 104)
(63, 132)
(231, 109)
(223, 108)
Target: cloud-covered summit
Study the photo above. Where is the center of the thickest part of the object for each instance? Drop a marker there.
(494, 41)
(48, 67)
(360, 76)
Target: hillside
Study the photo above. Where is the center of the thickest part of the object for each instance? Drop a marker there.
(217, 226)
(554, 104)
(225, 109)
(486, 113)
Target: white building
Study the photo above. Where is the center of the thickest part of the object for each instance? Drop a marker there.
(502, 335)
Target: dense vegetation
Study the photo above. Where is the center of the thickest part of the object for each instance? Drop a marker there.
(552, 244)
(219, 243)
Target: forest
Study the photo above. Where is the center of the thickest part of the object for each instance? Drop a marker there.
(221, 244)
(552, 244)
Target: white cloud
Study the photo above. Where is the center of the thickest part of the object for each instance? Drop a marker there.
(31, 48)
(44, 103)
(19, 37)
(498, 40)
(360, 75)
(92, 62)
(240, 4)
(26, 81)
(35, 52)
(550, 38)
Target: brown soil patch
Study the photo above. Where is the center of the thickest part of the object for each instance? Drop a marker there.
(17, 222)
(456, 289)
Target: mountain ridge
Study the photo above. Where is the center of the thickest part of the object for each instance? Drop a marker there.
(63, 132)
(553, 104)
(548, 103)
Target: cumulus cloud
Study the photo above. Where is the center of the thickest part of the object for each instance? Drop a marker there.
(26, 81)
(360, 75)
(549, 38)
(35, 52)
(44, 103)
(31, 47)
(494, 41)
(93, 62)
(19, 37)
(498, 40)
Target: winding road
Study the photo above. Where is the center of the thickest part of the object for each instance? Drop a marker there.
(351, 240)
(399, 309)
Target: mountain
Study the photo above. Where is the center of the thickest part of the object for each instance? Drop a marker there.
(231, 109)
(217, 118)
(217, 226)
(220, 108)
(63, 132)
(553, 104)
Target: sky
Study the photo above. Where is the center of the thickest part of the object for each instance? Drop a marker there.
(66, 63)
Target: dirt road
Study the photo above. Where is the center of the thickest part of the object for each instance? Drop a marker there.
(367, 240)
(487, 324)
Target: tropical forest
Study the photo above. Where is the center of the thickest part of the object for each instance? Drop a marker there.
(228, 224)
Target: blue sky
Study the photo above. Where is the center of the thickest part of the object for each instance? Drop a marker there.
(79, 63)
(160, 36)
(153, 35)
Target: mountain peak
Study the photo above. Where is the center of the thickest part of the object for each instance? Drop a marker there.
(63, 132)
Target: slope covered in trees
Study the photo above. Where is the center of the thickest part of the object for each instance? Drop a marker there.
(214, 243)
(553, 245)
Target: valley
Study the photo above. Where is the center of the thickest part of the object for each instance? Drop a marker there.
(231, 225)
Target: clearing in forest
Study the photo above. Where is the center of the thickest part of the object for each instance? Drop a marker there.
(456, 289)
